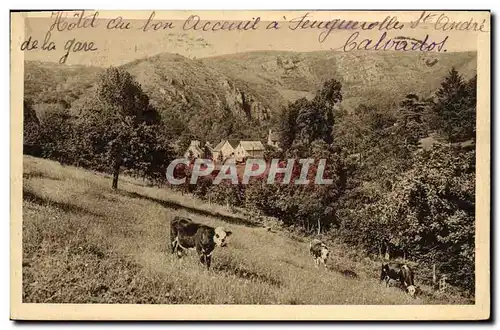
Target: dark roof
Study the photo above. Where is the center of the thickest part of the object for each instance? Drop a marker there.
(234, 143)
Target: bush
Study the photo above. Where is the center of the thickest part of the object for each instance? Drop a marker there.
(428, 214)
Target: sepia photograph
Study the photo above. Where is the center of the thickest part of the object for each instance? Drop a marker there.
(172, 161)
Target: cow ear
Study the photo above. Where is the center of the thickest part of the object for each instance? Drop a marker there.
(228, 233)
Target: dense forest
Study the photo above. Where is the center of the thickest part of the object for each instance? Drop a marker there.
(404, 173)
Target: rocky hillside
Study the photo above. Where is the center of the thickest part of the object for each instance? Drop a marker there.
(367, 77)
(239, 95)
(205, 99)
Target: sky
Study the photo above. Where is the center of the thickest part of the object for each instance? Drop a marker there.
(117, 47)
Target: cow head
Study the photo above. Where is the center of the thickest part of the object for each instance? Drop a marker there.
(384, 271)
(411, 290)
(220, 236)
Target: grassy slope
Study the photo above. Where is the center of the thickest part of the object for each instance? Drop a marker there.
(83, 242)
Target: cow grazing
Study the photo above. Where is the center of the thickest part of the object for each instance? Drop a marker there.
(187, 234)
(402, 274)
(319, 252)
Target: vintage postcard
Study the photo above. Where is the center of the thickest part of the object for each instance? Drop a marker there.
(250, 165)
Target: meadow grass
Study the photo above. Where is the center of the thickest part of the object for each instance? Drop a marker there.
(86, 243)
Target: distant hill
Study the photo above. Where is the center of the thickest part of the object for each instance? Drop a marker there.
(370, 78)
(47, 82)
(239, 95)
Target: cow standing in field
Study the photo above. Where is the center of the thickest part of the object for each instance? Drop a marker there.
(187, 234)
(403, 274)
(319, 252)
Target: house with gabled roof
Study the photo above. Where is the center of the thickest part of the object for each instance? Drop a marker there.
(225, 149)
(195, 150)
(249, 149)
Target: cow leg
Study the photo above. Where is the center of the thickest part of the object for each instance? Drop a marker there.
(173, 238)
(177, 248)
(173, 245)
(209, 261)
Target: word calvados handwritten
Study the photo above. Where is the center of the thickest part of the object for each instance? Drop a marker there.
(399, 43)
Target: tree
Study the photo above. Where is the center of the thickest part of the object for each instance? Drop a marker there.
(190, 156)
(121, 127)
(288, 122)
(435, 211)
(455, 108)
(330, 94)
(316, 118)
(410, 120)
(207, 153)
(56, 136)
(31, 127)
(306, 121)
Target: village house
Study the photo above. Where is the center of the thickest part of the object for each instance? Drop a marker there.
(196, 151)
(249, 149)
(224, 150)
(231, 149)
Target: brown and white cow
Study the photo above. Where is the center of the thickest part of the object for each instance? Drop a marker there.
(401, 273)
(187, 234)
(319, 252)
